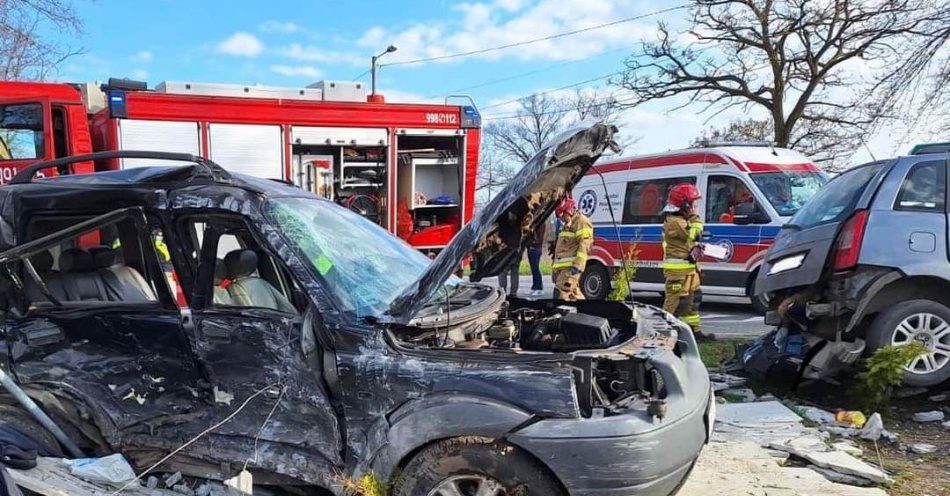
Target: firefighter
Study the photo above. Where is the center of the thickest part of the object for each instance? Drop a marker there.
(570, 252)
(682, 229)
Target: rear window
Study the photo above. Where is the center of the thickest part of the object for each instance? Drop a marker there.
(836, 200)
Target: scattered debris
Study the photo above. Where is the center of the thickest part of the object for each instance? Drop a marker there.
(112, 469)
(873, 428)
(923, 448)
(151, 482)
(223, 397)
(908, 392)
(183, 489)
(937, 398)
(848, 447)
(51, 477)
(243, 483)
(852, 418)
(841, 478)
(931, 416)
(745, 395)
(816, 415)
(172, 479)
(727, 380)
(946, 425)
(763, 421)
(844, 463)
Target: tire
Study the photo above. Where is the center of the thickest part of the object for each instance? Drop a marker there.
(468, 463)
(760, 304)
(927, 322)
(595, 282)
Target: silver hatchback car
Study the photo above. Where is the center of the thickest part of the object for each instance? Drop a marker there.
(866, 264)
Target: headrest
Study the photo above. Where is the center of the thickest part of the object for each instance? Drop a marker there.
(220, 271)
(75, 260)
(240, 263)
(42, 261)
(102, 256)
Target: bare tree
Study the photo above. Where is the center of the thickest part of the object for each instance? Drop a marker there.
(26, 52)
(738, 130)
(538, 118)
(799, 61)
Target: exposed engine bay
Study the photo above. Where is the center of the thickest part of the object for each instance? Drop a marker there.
(608, 344)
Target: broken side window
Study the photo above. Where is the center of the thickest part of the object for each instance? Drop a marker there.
(244, 273)
(83, 261)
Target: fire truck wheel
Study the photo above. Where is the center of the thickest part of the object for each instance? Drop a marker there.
(595, 281)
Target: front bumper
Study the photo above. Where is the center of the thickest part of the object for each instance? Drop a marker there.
(631, 453)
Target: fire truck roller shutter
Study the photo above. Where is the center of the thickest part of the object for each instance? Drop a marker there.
(339, 136)
(160, 136)
(252, 149)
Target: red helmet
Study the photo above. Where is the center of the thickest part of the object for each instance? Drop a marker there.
(683, 195)
(566, 205)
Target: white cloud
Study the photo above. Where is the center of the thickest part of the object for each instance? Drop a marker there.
(140, 74)
(297, 71)
(481, 25)
(308, 53)
(241, 44)
(285, 27)
(142, 57)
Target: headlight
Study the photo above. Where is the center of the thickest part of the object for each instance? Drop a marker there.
(787, 263)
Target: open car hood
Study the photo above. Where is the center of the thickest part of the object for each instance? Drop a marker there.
(503, 227)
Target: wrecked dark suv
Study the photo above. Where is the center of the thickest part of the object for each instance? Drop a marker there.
(141, 307)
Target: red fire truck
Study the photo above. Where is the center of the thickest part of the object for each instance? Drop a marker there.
(409, 167)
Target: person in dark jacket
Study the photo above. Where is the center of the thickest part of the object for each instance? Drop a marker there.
(534, 259)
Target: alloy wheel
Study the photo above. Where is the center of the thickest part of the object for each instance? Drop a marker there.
(933, 333)
(469, 485)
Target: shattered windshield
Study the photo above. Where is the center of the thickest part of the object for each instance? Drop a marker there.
(365, 266)
(789, 191)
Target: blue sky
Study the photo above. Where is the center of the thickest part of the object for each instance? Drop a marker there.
(283, 43)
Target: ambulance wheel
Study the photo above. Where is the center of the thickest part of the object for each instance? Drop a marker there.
(595, 281)
(760, 304)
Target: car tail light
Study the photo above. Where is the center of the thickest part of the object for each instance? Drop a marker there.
(848, 244)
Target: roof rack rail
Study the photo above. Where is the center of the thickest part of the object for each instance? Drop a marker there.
(712, 144)
(217, 172)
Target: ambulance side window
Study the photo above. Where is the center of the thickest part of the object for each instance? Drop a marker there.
(727, 196)
(644, 201)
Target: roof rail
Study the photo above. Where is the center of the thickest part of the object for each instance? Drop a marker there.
(217, 172)
(712, 144)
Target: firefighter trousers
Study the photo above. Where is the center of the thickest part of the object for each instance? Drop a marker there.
(683, 295)
(568, 287)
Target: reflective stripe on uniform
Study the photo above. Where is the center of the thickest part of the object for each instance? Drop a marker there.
(678, 264)
(584, 233)
(581, 256)
(562, 263)
(691, 320)
(695, 231)
(566, 234)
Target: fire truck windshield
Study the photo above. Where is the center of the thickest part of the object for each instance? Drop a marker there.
(362, 264)
(21, 131)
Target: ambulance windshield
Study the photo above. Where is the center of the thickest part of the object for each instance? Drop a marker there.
(789, 191)
(362, 264)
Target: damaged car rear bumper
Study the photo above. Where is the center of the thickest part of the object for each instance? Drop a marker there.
(633, 453)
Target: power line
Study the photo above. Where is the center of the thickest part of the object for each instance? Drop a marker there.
(536, 40)
(528, 73)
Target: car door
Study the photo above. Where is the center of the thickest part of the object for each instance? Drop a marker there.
(96, 318)
(257, 350)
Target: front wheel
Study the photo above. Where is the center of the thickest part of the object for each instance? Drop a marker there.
(922, 321)
(470, 466)
(595, 282)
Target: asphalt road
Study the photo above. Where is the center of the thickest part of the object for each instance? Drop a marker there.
(724, 316)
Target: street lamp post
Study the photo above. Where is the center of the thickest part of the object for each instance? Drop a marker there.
(389, 49)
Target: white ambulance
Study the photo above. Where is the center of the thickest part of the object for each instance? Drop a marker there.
(749, 191)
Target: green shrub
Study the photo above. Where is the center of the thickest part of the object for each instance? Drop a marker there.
(622, 277)
(881, 372)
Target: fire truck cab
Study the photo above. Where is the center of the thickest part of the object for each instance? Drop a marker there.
(409, 167)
